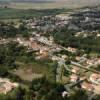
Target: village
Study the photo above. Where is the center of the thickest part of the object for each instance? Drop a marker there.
(83, 69)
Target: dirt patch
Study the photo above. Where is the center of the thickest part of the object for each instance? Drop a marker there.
(27, 74)
(97, 89)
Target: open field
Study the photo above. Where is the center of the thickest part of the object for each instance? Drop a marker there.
(28, 72)
(42, 5)
(9, 20)
(8, 13)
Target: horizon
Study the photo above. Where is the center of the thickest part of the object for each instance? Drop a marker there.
(49, 4)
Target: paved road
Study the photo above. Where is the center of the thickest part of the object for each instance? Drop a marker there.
(88, 69)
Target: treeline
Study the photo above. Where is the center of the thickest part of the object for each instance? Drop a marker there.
(9, 30)
(67, 38)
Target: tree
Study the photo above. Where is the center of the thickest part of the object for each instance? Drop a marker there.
(3, 71)
(19, 93)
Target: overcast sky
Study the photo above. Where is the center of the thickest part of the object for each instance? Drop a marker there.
(71, 1)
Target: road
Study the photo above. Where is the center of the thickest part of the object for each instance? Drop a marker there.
(83, 67)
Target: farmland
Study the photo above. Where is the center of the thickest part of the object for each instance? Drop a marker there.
(52, 5)
(9, 13)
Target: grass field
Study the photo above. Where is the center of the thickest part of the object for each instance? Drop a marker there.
(10, 20)
(40, 5)
(9, 13)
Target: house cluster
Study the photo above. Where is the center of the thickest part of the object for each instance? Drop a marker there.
(45, 40)
(70, 49)
(43, 46)
(90, 81)
(44, 23)
(78, 73)
(86, 20)
(84, 34)
(92, 61)
(59, 57)
(82, 21)
(6, 85)
(95, 79)
(22, 41)
(49, 23)
(62, 19)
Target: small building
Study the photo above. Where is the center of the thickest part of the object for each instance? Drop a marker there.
(75, 69)
(64, 94)
(55, 58)
(95, 79)
(73, 78)
(6, 85)
(87, 86)
(73, 50)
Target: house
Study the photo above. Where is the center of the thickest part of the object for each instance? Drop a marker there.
(45, 40)
(95, 79)
(64, 56)
(55, 58)
(35, 46)
(6, 85)
(98, 35)
(75, 69)
(90, 62)
(31, 39)
(87, 86)
(93, 61)
(63, 17)
(64, 94)
(77, 34)
(70, 49)
(73, 78)
(78, 58)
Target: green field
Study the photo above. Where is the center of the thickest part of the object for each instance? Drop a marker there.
(38, 5)
(9, 13)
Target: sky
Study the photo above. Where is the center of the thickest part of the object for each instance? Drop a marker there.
(32, 0)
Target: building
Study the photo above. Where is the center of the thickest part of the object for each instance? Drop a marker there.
(75, 69)
(87, 86)
(95, 79)
(64, 94)
(73, 50)
(73, 78)
(6, 85)
(63, 17)
(55, 58)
